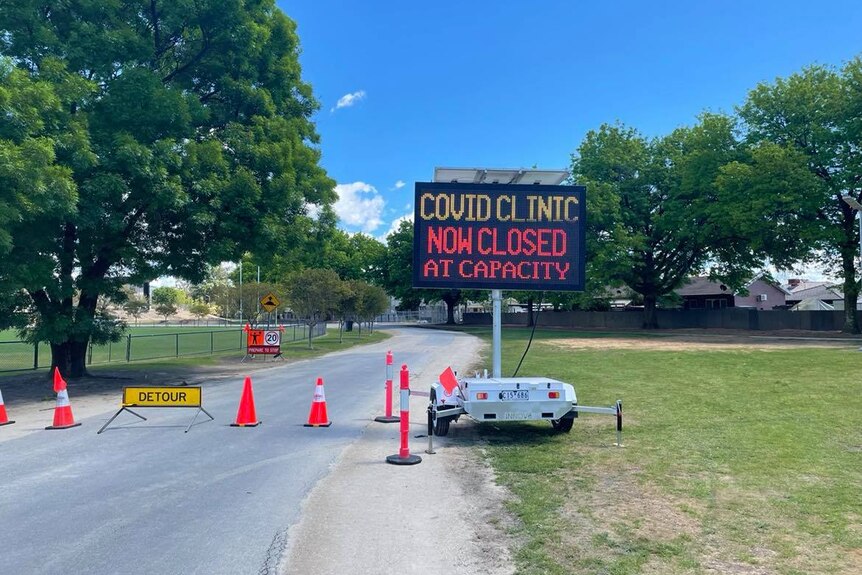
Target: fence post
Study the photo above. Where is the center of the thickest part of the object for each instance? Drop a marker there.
(294, 332)
(36, 355)
(178, 344)
(129, 348)
(212, 347)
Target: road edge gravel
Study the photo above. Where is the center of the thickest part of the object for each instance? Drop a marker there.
(446, 514)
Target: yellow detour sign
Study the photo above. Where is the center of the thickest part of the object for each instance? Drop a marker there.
(269, 302)
(139, 397)
(161, 397)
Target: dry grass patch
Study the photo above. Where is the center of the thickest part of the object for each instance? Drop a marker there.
(669, 343)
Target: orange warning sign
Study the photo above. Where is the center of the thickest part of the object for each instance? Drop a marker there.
(259, 341)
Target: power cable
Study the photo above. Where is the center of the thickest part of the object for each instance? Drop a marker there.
(532, 333)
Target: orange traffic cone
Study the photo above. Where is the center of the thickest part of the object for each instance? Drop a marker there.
(4, 419)
(317, 416)
(245, 415)
(63, 417)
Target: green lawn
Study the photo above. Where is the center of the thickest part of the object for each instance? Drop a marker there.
(147, 343)
(736, 461)
(291, 351)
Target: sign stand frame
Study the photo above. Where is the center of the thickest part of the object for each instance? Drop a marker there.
(126, 405)
(200, 409)
(124, 408)
(113, 417)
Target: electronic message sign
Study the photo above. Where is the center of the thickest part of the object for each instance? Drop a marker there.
(492, 236)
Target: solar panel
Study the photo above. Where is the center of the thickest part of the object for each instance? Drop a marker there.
(500, 176)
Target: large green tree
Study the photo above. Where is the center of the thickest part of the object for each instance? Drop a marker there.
(661, 210)
(352, 256)
(817, 114)
(314, 295)
(182, 133)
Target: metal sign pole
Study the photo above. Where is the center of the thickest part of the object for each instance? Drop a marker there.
(496, 302)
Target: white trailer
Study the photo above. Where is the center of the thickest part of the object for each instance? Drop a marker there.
(512, 399)
(505, 399)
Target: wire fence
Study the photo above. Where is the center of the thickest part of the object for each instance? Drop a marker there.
(20, 356)
(431, 315)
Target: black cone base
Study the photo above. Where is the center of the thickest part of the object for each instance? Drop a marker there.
(398, 460)
(390, 419)
(63, 426)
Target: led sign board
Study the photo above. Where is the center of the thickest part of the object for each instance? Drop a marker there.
(499, 236)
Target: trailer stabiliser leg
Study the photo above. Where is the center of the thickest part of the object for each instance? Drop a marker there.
(616, 411)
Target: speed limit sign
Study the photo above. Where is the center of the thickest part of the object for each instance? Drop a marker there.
(272, 338)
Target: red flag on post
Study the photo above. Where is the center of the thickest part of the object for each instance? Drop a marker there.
(448, 380)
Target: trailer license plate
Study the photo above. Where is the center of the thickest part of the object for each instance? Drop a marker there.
(515, 395)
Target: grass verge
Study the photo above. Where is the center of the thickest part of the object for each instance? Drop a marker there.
(291, 351)
(736, 461)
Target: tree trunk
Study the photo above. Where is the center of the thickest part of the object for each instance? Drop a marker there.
(650, 316)
(70, 357)
(451, 299)
(851, 290)
(310, 327)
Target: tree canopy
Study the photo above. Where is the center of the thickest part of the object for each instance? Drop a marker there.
(158, 137)
(313, 295)
(661, 210)
(815, 118)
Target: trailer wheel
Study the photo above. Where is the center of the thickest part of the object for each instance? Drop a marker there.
(442, 426)
(563, 425)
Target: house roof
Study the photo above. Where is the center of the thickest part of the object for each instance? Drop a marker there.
(823, 292)
(804, 285)
(703, 286)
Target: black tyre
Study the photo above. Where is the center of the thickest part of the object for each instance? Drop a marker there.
(563, 425)
(442, 427)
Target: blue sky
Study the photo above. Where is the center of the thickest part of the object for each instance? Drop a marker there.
(517, 84)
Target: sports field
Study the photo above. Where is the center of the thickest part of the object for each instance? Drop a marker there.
(141, 343)
(741, 456)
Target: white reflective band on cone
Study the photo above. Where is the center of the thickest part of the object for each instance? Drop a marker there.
(63, 398)
(1, 398)
(405, 399)
(319, 394)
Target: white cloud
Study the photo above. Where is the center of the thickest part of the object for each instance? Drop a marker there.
(359, 205)
(394, 226)
(399, 184)
(348, 100)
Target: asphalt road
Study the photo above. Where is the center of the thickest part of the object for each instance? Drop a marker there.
(144, 497)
